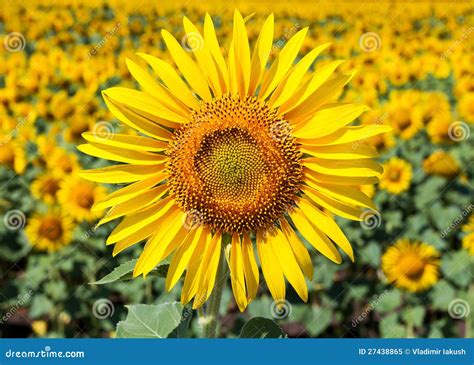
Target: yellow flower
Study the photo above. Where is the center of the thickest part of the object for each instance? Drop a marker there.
(236, 152)
(62, 162)
(45, 187)
(12, 154)
(39, 328)
(469, 226)
(405, 120)
(466, 107)
(397, 175)
(468, 243)
(78, 196)
(49, 231)
(413, 266)
(439, 127)
(442, 164)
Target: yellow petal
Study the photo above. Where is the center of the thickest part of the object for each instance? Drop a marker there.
(211, 41)
(137, 143)
(315, 237)
(193, 271)
(120, 174)
(138, 221)
(300, 252)
(322, 95)
(260, 54)
(162, 95)
(329, 120)
(347, 151)
(347, 194)
(340, 180)
(282, 64)
(137, 121)
(328, 226)
(250, 267)
(209, 267)
(191, 72)
(237, 273)
(272, 272)
(333, 205)
(288, 263)
(351, 134)
(362, 167)
(239, 58)
(290, 84)
(172, 80)
(137, 203)
(320, 76)
(203, 56)
(144, 105)
(121, 154)
(167, 238)
(182, 256)
(122, 195)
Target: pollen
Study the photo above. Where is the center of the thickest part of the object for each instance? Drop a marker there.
(235, 165)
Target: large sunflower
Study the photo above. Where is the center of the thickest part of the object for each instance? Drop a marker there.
(232, 152)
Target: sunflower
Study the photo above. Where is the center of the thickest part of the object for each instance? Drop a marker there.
(413, 266)
(442, 164)
(233, 153)
(397, 175)
(468, 243)
(77, 196)
(49, 231)
(439, 128)
(62, 162)
(45, 187)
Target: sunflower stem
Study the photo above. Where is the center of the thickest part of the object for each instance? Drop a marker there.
(212, 310)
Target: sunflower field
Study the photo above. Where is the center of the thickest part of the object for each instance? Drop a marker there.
(413, 247)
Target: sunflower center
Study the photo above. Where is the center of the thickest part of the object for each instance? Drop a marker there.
(51, 229)
(233, 167)
(394, 175)
(412, 266)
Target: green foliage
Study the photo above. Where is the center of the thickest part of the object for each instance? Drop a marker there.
(150, 321)
(259, 327)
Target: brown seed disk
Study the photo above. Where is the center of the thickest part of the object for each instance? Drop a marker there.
(235, 165)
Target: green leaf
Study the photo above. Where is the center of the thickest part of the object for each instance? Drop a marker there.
(456, 266)
(150, 321)
(391, 328)
(182, 329)
(259, 327)
(441, 295)
(414, 315)
(124, 272)
(390, 300)
(319, 320)
(40, 305)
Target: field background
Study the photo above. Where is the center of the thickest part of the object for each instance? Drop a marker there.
(415, 63)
